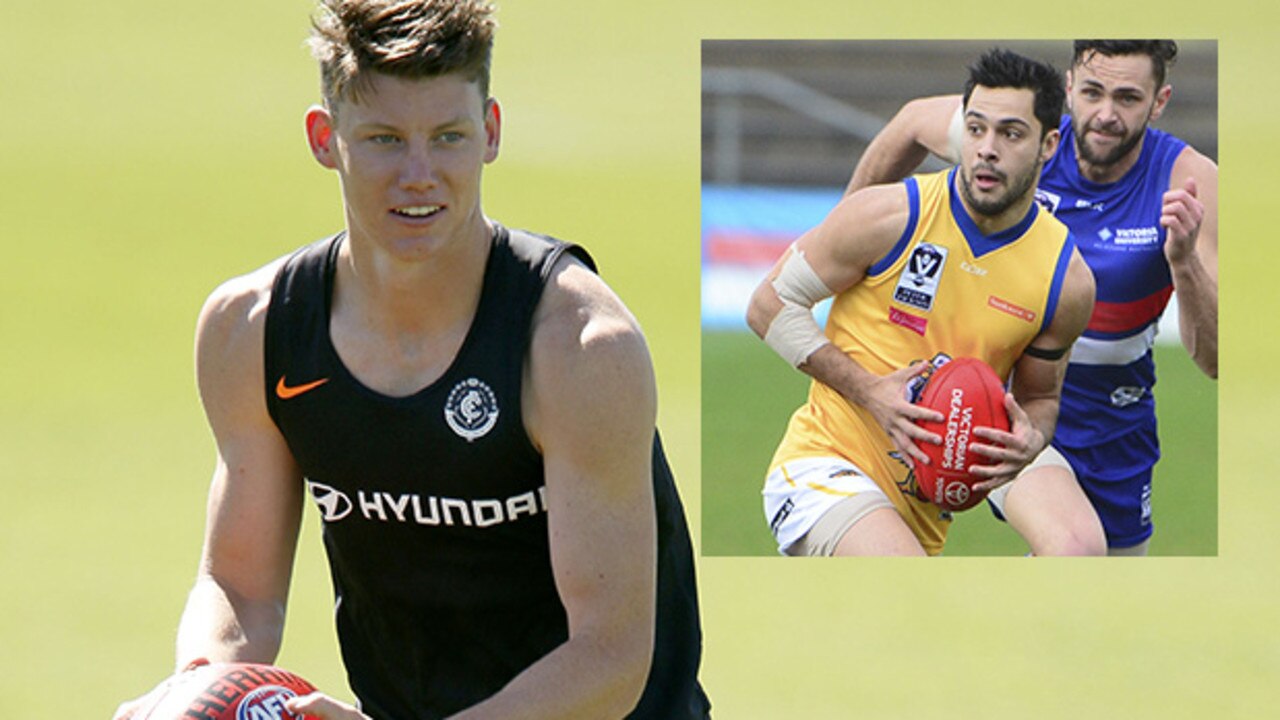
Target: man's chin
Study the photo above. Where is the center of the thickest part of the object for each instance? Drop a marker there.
(1107, 153)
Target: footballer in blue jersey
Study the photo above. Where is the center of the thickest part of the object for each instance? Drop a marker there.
(1142, 205)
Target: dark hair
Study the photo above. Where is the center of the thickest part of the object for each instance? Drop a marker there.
(405, 38)
(1162, 52)
(1000, 68)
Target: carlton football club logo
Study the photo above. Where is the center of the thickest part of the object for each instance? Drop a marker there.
(472, 409)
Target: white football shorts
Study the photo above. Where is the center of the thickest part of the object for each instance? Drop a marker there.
(799, 493)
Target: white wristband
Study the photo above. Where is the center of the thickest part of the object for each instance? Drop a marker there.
(793, 333)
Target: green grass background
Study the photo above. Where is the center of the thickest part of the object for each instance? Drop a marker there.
(741, 428)
(149, 150)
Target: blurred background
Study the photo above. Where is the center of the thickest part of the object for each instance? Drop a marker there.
(149, 150)
(783, 125)
(797, 113)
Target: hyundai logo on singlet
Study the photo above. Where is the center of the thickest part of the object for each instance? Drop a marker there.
(472, 409)
(333, 503)
(918, 283)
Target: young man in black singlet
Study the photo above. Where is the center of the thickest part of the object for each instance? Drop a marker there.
(470, 407)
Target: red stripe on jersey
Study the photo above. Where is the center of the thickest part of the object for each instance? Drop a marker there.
(1121, 317)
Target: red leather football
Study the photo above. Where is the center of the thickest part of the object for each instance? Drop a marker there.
(969, 394)
(227, 691)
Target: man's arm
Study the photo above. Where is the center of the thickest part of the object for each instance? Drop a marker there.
(836, 256)
(236, 609)
(923, 126)
(1037, 384)
(1190, 216)
(591, 408)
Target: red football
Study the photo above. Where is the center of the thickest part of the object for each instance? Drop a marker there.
(969, 394)
(227, 691)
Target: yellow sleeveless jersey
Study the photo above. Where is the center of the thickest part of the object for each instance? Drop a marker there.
(944, 288)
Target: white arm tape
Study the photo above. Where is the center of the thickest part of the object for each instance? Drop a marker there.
(793, 333)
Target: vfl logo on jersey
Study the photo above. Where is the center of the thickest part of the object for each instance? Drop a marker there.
(265, 703)
(333, 503)
(472, 409)
(1048, 200)
(918, 284)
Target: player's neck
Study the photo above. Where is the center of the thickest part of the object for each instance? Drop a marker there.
(421, 295)
(992, 224)
(1110, 172)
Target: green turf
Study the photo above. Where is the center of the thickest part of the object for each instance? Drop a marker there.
(748, 394)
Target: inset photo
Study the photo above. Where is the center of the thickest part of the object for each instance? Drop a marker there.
(959, 298)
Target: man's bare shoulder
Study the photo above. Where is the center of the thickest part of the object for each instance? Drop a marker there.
(588, 357)
(1075, 305)
(865, 224)
(229, 336)
(875, 201)
(580, 314)
(1193, 164)
(240, 300)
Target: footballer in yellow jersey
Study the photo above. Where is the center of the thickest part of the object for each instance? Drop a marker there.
(957, 263)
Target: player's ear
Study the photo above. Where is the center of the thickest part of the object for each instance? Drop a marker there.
(1162, 99)
(320, 135)
(1068, 83)
(492, 129)
(1049, 145)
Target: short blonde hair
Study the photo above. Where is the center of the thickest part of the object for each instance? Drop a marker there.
(405, 38)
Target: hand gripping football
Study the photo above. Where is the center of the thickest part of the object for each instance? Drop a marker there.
(227, 691)
(969, 394)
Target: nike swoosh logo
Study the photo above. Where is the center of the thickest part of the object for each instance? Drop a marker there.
(284, 392)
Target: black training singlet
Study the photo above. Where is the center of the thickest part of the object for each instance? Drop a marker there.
(433, 506)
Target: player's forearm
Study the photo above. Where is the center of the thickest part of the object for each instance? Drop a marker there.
(832, 367)
(922, 127)
(1042, 412)
(891, 156)
(586, 677)
(1198, 313)
(220, 627)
